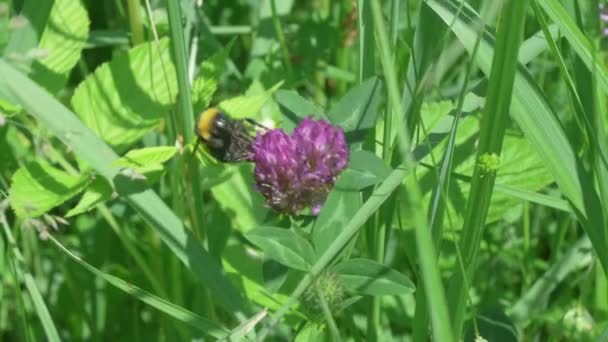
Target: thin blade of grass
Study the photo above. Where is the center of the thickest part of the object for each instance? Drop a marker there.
(535, 197)
(580, 43)
(384, 217)
(185, 116)
(428, 28)
(492, 130)
(433, 287)
(278, 29)
(30, 284)
(532, 113)
(195, 321)
(533, 300)
(581, 86)
(239, 333)
(367, 61)
(589, 87)
(530, 110)
(438, 203)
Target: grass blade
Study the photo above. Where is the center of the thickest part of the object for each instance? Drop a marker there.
(30, 284)
(493, 127)
(367, 61)
(433, 287)
(197, 322)
(580, 43)
(577, 257)
(185, 115)
(539, 124)
(66, 126)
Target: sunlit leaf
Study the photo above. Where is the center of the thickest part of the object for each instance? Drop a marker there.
(97, 192)
(140, 158)
(38, 187)
(358, 108)
(205, 83)
(338, 209)
(247, 106)
(283, 246)
(61, 43)
(312, 331)
(366, 276)
(126, 97)
(364, 169)
(233, 190)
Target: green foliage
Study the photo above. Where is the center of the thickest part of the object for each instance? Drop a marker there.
(247, 106)
(519, 168)
(206, 81)
(284, 246)
(146, 162)
(472, 207)
(357, 109)
(368, 277)
(364, 170)
(232, 191)
(312, 331)
(61, 43)
(144, 158)
(98, 191)
(9, 109)
(296, 108)
(126, 97)
(38, 187)
(199, 323)
(326, 290)
(341, 204)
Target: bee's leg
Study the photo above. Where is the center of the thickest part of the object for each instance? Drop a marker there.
(196, 144)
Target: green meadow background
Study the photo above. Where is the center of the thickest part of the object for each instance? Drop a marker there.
(474, 206)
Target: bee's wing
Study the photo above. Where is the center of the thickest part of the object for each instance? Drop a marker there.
(241, 140)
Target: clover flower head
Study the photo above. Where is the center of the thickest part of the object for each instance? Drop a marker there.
(327, 285)
(276, 168)
(323, 154)
(297, 171)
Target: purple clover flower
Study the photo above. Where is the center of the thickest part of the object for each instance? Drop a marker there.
(298, 171)
(322, 155)
(276, 170)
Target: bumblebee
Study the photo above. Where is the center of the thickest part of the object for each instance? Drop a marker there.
(228, 140)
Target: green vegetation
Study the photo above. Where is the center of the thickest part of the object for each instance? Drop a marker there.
(474, 205)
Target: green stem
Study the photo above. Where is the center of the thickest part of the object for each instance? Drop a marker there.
(526, 227)
(384, 216)
(132, 250)
(11, 260)
(493, 126)
(135, 22)
(185, 131)
(367, 63)
(366, 70)
(281, 37)
(109, 218)
(230, 30)
(335, 333)
(425, 249)
(366, 41)
(438, 198)
(19, 266)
